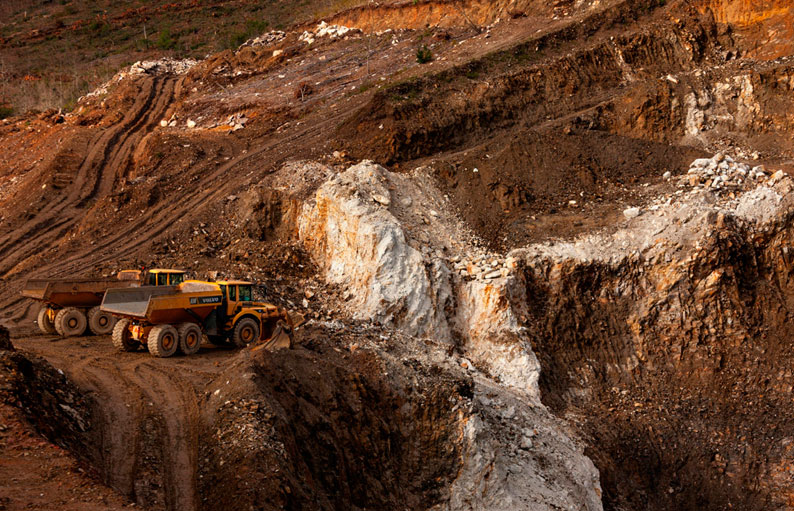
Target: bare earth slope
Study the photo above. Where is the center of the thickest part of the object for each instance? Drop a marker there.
(449, 301)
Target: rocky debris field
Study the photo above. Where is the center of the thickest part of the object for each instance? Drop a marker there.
(528, 283)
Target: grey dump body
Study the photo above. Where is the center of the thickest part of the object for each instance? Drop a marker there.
(71, 292)
(36, 288)
(134, 302)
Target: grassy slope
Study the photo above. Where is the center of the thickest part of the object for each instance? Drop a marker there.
(53, 51)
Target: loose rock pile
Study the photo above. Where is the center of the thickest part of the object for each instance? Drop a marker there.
(237, 121)
(484, 267)
(326, 30)
(271, 37)
(165, 65)
(721, 174)
(722, 177)
(161, 66)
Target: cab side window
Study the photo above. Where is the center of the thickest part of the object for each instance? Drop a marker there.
(232, 293)
(223, 290)
(162, 279)
(245, 293)
(152, 279)
(177, 278)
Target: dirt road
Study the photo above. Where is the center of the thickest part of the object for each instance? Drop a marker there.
(149, 413)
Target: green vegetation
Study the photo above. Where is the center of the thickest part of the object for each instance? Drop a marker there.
(165, 41)
(84, 43)
(424, 55)
(6, 111)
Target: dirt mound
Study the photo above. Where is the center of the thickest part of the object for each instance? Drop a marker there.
(332, 428)
(541, 184)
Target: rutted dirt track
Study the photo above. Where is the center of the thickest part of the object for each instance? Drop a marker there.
(134, 391)
(106, 160)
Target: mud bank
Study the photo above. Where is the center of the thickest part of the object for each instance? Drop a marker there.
(666, 345)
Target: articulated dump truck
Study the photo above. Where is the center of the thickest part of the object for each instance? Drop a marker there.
(167, 319)
(71, 305)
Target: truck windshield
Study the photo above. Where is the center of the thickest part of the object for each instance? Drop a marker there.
(245, 293)
(177, 278)
(152, 279)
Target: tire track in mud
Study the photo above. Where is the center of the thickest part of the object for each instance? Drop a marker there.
(120, 406)
(120, 431)
(176, 402)
(131, 390)
(108, 155)
(213, 187)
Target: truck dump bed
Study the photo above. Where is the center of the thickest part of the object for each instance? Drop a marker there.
(72, 292)
(164, 304)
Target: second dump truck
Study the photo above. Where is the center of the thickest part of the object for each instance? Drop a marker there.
(69, 306)
(167, 319)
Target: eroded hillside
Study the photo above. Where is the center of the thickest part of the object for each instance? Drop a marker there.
(546, 269)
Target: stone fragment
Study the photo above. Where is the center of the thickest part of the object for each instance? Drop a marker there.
(630, 213)
(381, 199)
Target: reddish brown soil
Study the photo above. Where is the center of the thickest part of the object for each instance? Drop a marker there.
(327, 425)
(548, 110)
(36, 474)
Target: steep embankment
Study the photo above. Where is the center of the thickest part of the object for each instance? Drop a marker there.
(666, 345)
(657, 342)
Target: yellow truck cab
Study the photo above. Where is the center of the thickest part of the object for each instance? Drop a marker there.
(71, 306)
(242, 317)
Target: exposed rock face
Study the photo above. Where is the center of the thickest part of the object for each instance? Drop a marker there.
(359, 238)
(389, 424)
(356, 229)
(59, 409)
(655, 340)
(361, 245)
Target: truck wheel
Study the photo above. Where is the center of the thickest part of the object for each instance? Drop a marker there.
(70, 322)
(45, 325)
(122, 337)
(163, 341)
(245, 332)
(100, 322)
(189, 338)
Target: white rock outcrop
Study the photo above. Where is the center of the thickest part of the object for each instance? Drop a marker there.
(355, 228)
(361, 245)
(391, 241)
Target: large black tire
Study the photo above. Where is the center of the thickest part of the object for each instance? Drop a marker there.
(45, 325)
(245, 332)
(100, 322)
(163, 341)
(122, 337)
(189, 338)
(70, 322)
